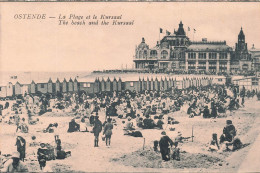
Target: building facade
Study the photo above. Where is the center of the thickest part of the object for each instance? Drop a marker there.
(175, 52)
(213, 57)
(255, 55)
(169, 53)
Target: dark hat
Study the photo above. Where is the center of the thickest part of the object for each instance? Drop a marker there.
(229, 122)
(163, 133)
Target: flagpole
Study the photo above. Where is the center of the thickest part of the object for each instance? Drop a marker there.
(193, 35)
(159, 35)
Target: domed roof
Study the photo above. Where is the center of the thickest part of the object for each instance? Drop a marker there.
(143, 45)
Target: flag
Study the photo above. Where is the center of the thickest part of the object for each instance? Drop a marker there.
(168, 33)
(161, 30)
(188, 28)
(194, 30)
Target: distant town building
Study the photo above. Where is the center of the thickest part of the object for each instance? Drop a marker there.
(255, 55)
(175, 52)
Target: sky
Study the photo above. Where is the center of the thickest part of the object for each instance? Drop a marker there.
(43, 45)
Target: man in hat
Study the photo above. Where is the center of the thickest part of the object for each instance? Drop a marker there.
(16, 165)
(41, 155)
(21, 143)
(229, 132)
(97, 129)
(164, 146)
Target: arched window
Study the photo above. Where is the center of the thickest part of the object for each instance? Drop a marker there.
(140, 54)
(145, 53)
(164, 54)
(182, 41)
(245, 66)
(177, 42)
(153, 53)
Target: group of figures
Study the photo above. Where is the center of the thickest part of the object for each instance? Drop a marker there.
(144, 110)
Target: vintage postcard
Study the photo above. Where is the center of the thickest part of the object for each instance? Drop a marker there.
(129, 86)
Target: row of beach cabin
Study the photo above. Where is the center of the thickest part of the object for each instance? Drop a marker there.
(101, 85)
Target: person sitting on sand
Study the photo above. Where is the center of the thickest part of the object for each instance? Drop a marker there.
(148, 123)
(73, 126)
(138, 121)
(83, 125)
(206, 112)
(23, 126)
(214, 143)
(129, 125)
(16, 165)
(164, 143)
(229, 132)
(176, 152)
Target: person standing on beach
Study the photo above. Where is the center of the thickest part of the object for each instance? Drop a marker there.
(164, 146)
(96, 130)
(21, 143)
(108, 131)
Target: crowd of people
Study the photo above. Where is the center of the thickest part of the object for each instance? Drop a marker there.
(144, 110)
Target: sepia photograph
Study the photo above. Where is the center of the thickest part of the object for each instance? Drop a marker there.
(129, 86)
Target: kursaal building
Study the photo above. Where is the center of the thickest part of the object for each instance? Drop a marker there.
(176, 52)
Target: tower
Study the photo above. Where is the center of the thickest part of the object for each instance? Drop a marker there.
(241, 46)
(180, 30)
(241, 53)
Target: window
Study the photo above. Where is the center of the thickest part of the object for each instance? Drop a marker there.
(153, 53)
(131, 84)
(212, 55)
(202, 55)
(212, 64)
(164, 54)
(244, 66)
(174, 55)
(222, 55)
(192, 64)
(173, 42)
(223, 65)
(145, 53)
(42, 85)
(182, 41)
(86, 85)
(202, 64)
(140, 54)
(192, 55)
(254, 81)
(220, 80)
(177, 43)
